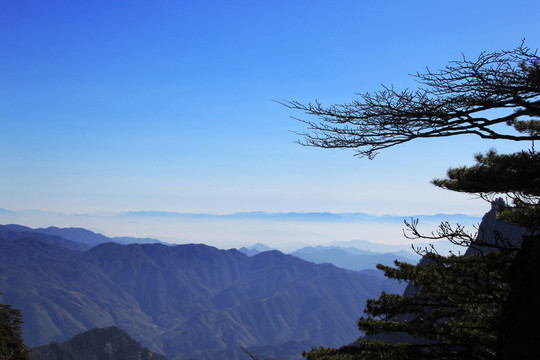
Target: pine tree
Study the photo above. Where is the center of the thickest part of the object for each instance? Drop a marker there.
(451, 310)
(11, 342)
(478, 305)
(464, 306)
(518, 177)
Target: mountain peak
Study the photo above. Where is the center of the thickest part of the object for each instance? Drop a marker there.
(255, 249)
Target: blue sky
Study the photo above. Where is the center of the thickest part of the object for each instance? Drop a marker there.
(110, 106)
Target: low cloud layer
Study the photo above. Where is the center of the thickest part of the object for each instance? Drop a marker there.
(284, 231)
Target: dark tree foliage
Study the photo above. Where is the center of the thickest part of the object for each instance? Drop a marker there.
(517, 176)
(475, 306)
(451, 311)
(11, 342)
(453, 101)
(496, 174)
(472, 306)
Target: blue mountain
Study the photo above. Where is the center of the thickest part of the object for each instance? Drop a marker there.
(186, 301)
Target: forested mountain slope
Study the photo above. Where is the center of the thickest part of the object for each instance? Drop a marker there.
(193, 301)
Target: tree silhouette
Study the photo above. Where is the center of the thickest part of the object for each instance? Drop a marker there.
(11, 342)
(472, 306)
(457, 100)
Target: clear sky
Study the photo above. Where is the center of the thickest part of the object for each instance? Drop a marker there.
(110, 106)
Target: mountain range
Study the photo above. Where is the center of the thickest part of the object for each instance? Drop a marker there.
(75, 236)
(287, 231)
(352, 258)
(349, 257)
(186, 301)
(287, 216)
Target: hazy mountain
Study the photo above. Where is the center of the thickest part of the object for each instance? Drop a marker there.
(75, 234)
(351, 258)
(105, 344)
(14, 232)
(92, 238)
(73, 238)
(442, 246)
(305, 216)
(292, 216)
(254, 249)
(135, 240)
(284, 231)
(193, 301)
(369, 246)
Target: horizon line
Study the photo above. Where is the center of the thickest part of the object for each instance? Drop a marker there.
(231, 214)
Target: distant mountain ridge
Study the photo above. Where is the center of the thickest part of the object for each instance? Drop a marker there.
(368, 246)
(73, 235)
(292, 216)
(254, 249)
(351, 258)
(304, 216)
(442, 246)
(286, 231)
(189, 301)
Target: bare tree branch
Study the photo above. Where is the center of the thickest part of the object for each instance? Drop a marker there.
(451, 101)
